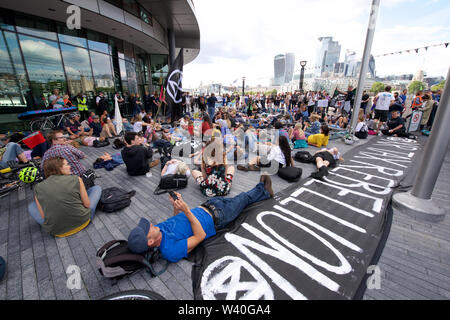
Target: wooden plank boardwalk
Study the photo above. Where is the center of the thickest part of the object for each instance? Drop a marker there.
(414, 264)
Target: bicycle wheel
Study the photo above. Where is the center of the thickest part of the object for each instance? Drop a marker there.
(134, 295)
(36, 124)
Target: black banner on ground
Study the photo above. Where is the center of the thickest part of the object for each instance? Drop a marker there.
(314, 240)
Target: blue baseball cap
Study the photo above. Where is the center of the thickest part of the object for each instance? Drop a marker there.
(137, 240)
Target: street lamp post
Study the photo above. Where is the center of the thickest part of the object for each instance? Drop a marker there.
(243, 86)
(302, 74)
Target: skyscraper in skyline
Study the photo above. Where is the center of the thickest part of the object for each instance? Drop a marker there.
(327, 56)
(284, 65)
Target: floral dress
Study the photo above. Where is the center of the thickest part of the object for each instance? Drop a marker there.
(217, 182)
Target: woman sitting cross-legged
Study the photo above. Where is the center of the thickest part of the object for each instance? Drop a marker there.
(216, 176)
(62, 205)
(280, 153)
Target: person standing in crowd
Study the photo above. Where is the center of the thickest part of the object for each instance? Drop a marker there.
(417, 101)
(81, 101)
(61, 148)
(183, 103)
(384, 100)
(147, 102)
(212, 106)
(134, 105)
(403, 96)
(56, 100)
(102, 104)
(62, 205)
(364, 101)
(348, 102)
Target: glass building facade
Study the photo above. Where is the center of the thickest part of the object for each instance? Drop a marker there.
(39, 55)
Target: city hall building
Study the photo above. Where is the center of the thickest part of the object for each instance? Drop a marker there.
(121, 45)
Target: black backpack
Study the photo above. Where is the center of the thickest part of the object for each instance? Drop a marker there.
(115, 199)
(115, 260)
(290, 174)
(100, 144)
(303, 156)
(171, 182)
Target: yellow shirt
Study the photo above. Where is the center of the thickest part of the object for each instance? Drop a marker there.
(318, 140)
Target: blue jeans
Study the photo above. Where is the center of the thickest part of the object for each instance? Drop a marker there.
(11, 153)
(94, 195)
(230, 208)
(211, 112)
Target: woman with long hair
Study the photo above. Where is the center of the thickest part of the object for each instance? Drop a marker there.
(62, 205)
(216, 175)
(280, 153)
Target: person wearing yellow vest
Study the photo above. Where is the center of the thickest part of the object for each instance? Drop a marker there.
(82, 106)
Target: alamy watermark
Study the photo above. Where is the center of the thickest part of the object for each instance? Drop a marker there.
(74, 277)
(374, 280)
(74, 19)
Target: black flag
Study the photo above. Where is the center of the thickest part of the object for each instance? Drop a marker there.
(174, 88)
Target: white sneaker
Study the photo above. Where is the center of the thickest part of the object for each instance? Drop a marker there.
(149, 174)
(380, 133)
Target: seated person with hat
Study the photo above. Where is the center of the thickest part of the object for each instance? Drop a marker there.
(180, 234)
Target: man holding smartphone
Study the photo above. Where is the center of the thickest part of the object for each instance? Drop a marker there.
(180, 234)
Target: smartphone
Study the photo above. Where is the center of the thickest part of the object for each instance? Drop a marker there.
(173, 195)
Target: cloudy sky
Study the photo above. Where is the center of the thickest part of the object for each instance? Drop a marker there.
(241, 37)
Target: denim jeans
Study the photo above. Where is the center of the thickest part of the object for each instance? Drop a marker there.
(230, 208)
(11, 153)
(211, 112)
(94, 195)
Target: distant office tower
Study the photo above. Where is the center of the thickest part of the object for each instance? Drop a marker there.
(353, 65)
(328, 55)
(290, 65)
(284, 65)
(279, 69)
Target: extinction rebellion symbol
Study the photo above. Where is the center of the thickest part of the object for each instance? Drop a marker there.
(174, 85)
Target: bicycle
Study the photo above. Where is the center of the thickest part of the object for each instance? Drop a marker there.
(9, 177)
(134, 295)
(48, 123)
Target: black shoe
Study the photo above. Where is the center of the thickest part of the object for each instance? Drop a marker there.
(323, 171)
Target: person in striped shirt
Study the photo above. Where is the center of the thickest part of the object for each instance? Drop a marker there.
(60, 148)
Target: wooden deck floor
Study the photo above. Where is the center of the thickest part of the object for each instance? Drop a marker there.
(414, 264)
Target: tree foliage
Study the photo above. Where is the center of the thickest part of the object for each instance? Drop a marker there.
(377, 87)
(439, 86)
(415, 86)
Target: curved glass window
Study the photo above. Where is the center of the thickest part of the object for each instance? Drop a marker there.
(74, 37)
(35, 28)
(98, 42)
(131, 75)
(12, 48)
(101, 67)
(44, 66)
(78, 69)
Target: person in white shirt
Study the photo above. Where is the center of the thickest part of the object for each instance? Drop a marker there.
(383, 101)
(176, 167)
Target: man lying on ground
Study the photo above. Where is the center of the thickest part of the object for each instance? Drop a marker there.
(180, 234)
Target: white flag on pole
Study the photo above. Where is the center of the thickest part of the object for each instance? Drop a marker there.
(118, 117)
